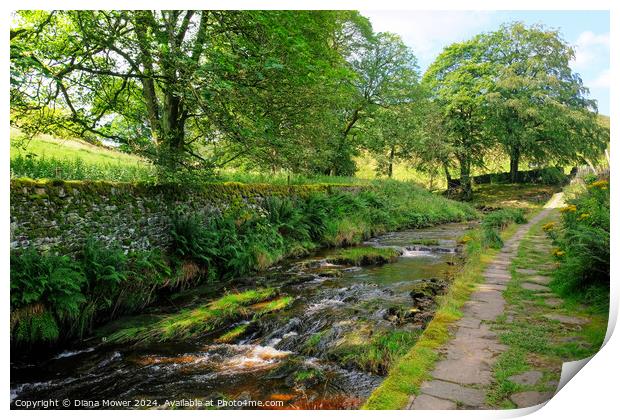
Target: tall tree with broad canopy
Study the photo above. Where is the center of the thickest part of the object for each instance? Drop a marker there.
(538, 107)
(513, 88)
(188, 88)
(457, 82)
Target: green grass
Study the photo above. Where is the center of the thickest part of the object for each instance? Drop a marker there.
(524, 196)
(233, 334)
(45, 156)
(364, 255)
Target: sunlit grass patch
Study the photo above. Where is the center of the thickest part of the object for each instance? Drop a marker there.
(366, 255)
(233, 334)
(525, 196)
(205, 319)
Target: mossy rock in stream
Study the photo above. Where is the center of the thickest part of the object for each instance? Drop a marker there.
(366, 255)
(307, 378)
(427, 288)
(400, 314)
(330, 273)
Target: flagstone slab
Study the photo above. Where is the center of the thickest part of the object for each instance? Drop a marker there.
(455, 392)
(530, 398)
(526, 271)
(564, 319)
(469, 322)
(544, 280)
(535, 287)
(486, 295)
(467, 371)
(527, 378)
(546, 294)
(428, 402)
(554, 302)
(487, 311)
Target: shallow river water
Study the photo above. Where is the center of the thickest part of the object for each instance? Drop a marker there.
(333, 307)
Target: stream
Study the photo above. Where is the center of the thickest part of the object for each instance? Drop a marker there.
(300, 356)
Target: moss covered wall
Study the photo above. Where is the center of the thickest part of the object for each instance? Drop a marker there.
(60, 216)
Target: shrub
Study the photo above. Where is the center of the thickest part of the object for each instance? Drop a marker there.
(583, 243)
(105, 268)
(287, 217)
(55, 297)
(552, 176)
(45, 291)
(316, 210)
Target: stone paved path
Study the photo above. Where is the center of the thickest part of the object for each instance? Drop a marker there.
(460, 379)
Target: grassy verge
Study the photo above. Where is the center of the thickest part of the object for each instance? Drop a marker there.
(535, 342)
(408, 373)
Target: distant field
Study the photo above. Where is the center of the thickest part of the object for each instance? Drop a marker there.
(44, 146)
(49, 157)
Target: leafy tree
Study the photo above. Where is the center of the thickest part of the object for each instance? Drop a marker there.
(538, 108)
(457, 82)
(193, 88)
(393, 136)
(386, 74)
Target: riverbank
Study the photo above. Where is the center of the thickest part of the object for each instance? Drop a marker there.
(85, 253)
(309, 332)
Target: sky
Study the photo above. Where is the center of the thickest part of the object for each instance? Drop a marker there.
(428, 32)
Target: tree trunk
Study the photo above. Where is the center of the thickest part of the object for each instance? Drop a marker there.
(448, 177)
(173, 117)
(391, 162)
(515, 154)
(466, 188)
(452, 184)
(336, 166)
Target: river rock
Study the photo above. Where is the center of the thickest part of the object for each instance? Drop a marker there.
(426, 288)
